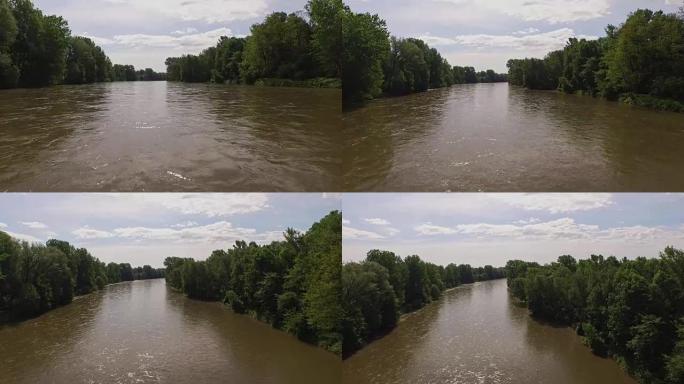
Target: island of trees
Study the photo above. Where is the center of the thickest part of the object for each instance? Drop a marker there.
(35, 278)
(640, 62)
(283, 50)
(376, 64)
(38, 50)
(378, 290)
(293, 284)
(631, 310)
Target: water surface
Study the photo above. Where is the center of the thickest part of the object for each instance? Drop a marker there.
(475, 334)
(142, 332)
(158, 136)
(492, 137)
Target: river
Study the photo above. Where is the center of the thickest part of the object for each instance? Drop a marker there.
(159, 136)
(492, 137)
(143, 332)
(476, 334)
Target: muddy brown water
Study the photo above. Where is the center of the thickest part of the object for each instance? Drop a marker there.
(143, 332)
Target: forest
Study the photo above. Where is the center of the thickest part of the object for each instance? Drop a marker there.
(641, 62)
(35, 278)
(376, 64)
(631, 310)
(378, 290)
(38, 50)
(296, 49)
(293, 284)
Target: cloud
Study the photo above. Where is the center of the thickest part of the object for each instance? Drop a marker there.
(531, 220)
(88, 233)
(221, 231)
(349, 233)
(558, 202)
(377, 221)
(560, 229)
(211, 11)
(3, 225)
(428, 229)
(24, 237)
(214, 204)
(34, 224)
(345, 221)
(545, 42)
(188, 42)
(551, 11)
(184, 225)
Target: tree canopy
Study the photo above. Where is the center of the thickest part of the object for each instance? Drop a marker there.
(376, 291)
(292, 284)
(35, 278)
(639, 62)
(632, 310)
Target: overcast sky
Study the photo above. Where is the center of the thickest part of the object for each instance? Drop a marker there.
(146, 228)
(481, 229)
(145, 32)
(486, 33)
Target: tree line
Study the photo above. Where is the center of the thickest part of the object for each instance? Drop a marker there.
(38, 50)
(640, 62)
(293, 284)
(378, 290)
(375, 63)
(35, 278)
(631, 310)
(300, 48)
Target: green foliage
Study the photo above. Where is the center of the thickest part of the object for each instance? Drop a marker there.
(38, 50)
(292, 284)
(283, 50)
(628, 309)
(366, 46)
(377, 290)
(373, 63)
(640, 63)
(35, 278)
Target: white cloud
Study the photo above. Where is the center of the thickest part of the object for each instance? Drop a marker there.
(558, 202)
(221, 231)
(531, 220)
(211, 11)
(527, 31)
(24, 237)
(214, 204)
(185, 224)
(89, 233)
(429, 229)
(346, 222)
(551, 11)
(185, 31)
(544, 42)
(349, 233)
(188, 42)
(34, 224)
(3, 225)
(560, 229)
(377, 221)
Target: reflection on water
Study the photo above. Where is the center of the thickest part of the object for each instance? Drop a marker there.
(492, 137)
(158, 136)
(475, 334)
(142, 332)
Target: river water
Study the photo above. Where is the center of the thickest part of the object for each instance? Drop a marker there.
(142, 332)
(158, 136)
(492, 137)
(476, 334)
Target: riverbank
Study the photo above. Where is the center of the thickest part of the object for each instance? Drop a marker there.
(475, 334)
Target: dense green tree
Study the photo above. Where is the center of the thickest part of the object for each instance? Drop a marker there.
(326, 32)
(366, 47)
(293, 284)
(377, 290)
(627, 309)
(35, 278)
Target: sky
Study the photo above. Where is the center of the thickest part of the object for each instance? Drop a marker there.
(145, 32)
(487, 33)
(482, 229)
(146, 228)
